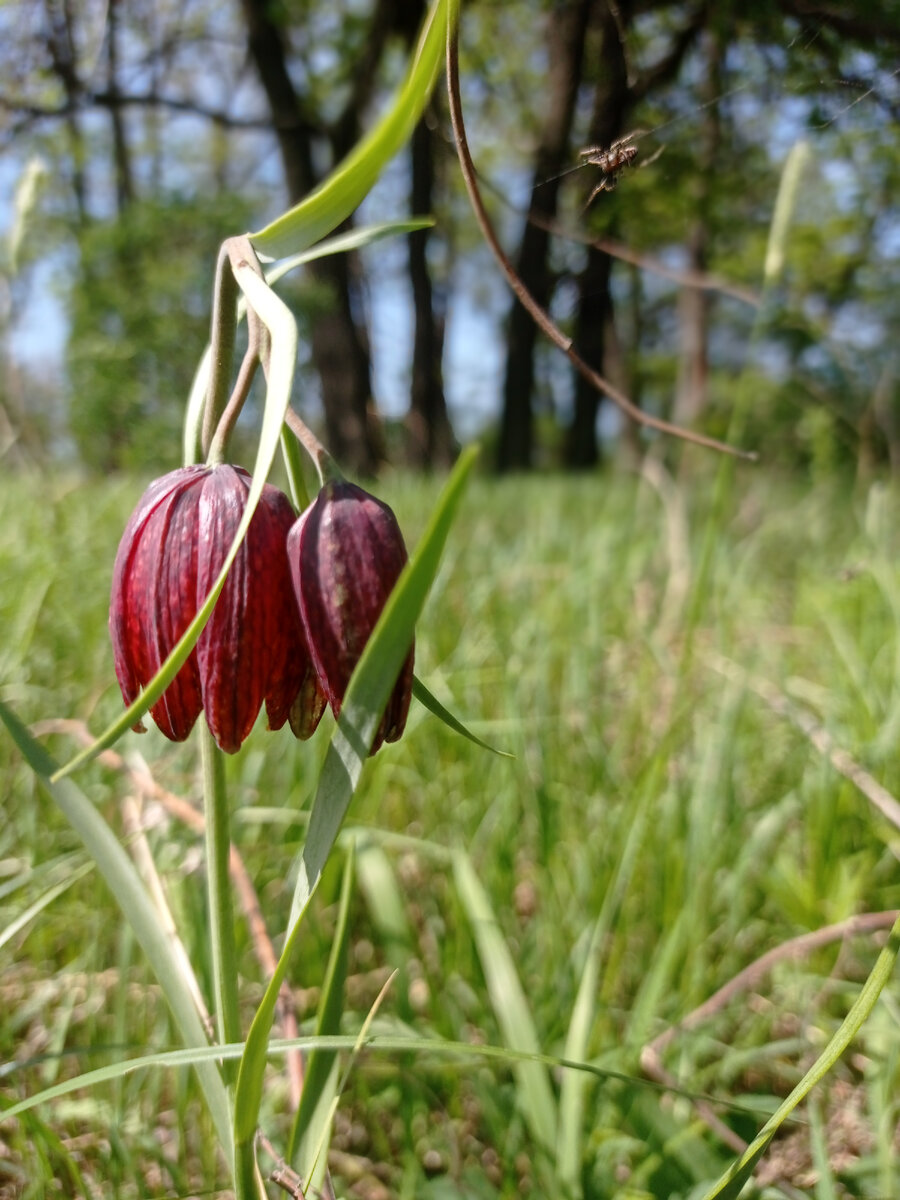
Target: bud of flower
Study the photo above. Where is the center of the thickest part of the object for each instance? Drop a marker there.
(252, 646)
(346, 552)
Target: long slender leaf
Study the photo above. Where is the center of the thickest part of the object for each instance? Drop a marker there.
(338, 195)
(573, 1086)
(509, 1003)
(341, 243)
(434, 706)
(730, 1184)
(320, 1078)
(366, 697)
(133, 899)
(376, 1043)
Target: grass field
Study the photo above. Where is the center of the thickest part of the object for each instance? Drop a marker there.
(671, 814)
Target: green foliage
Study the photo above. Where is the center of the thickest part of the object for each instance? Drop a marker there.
(139, 303)
(652, 800)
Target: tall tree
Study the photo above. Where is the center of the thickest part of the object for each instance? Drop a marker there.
(431, 442)
(694, 303)
(566, 25)
(339, 343)
(595, 332)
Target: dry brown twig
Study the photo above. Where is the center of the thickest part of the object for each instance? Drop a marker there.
(538, 314)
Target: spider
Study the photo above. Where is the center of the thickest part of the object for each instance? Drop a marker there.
(611, 160)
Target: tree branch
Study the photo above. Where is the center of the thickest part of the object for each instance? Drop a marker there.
(542, 318)
(665, 69)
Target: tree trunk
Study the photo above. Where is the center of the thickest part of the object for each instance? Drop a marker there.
(430, 436)
(595, 336)
(339, 346)
(125, 192)
(60, 38)
(566, 29)
(691, 394)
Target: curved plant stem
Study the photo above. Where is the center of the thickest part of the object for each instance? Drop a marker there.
(219, 418)
(222, 334)
(539, 315)
(325, 465)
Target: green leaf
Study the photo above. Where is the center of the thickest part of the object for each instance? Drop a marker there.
(434, 706)
(510, 1006)
(138, 909)
(280, 322)
(341, 243)
(378, 1043)
(310, 1133)
(24, 918)
(364, 703)
(730, 1184)
(573, 1086)
(338, 195)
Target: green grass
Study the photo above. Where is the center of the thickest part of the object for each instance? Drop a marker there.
(659, 828)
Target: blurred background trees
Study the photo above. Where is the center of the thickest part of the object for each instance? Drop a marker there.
(163, 127)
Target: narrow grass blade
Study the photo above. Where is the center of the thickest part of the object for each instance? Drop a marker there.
(310, 1131)
(378, 883)
(124, 882)
(318, 1165)
(509, 1003)
(278, 319)
(23, 919)
(730, 1184)
(342, 243)
(434, 706)
(376, 1043)
(335, 198)
(366, 697)
(573, 1085)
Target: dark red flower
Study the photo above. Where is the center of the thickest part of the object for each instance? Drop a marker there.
(252, 648)
(346, 552)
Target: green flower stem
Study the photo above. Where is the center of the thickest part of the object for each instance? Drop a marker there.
(221, 928)
(222, 335)
(221, 916)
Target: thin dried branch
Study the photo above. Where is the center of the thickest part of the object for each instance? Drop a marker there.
(702, 280)
(105, 99)
(540, 316)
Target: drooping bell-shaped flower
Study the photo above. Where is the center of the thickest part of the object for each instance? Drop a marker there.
(252, 648)
(346, 552)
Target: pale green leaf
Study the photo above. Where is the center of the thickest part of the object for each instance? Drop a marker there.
(338, 195)
(137, 907)
(535, 1094)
